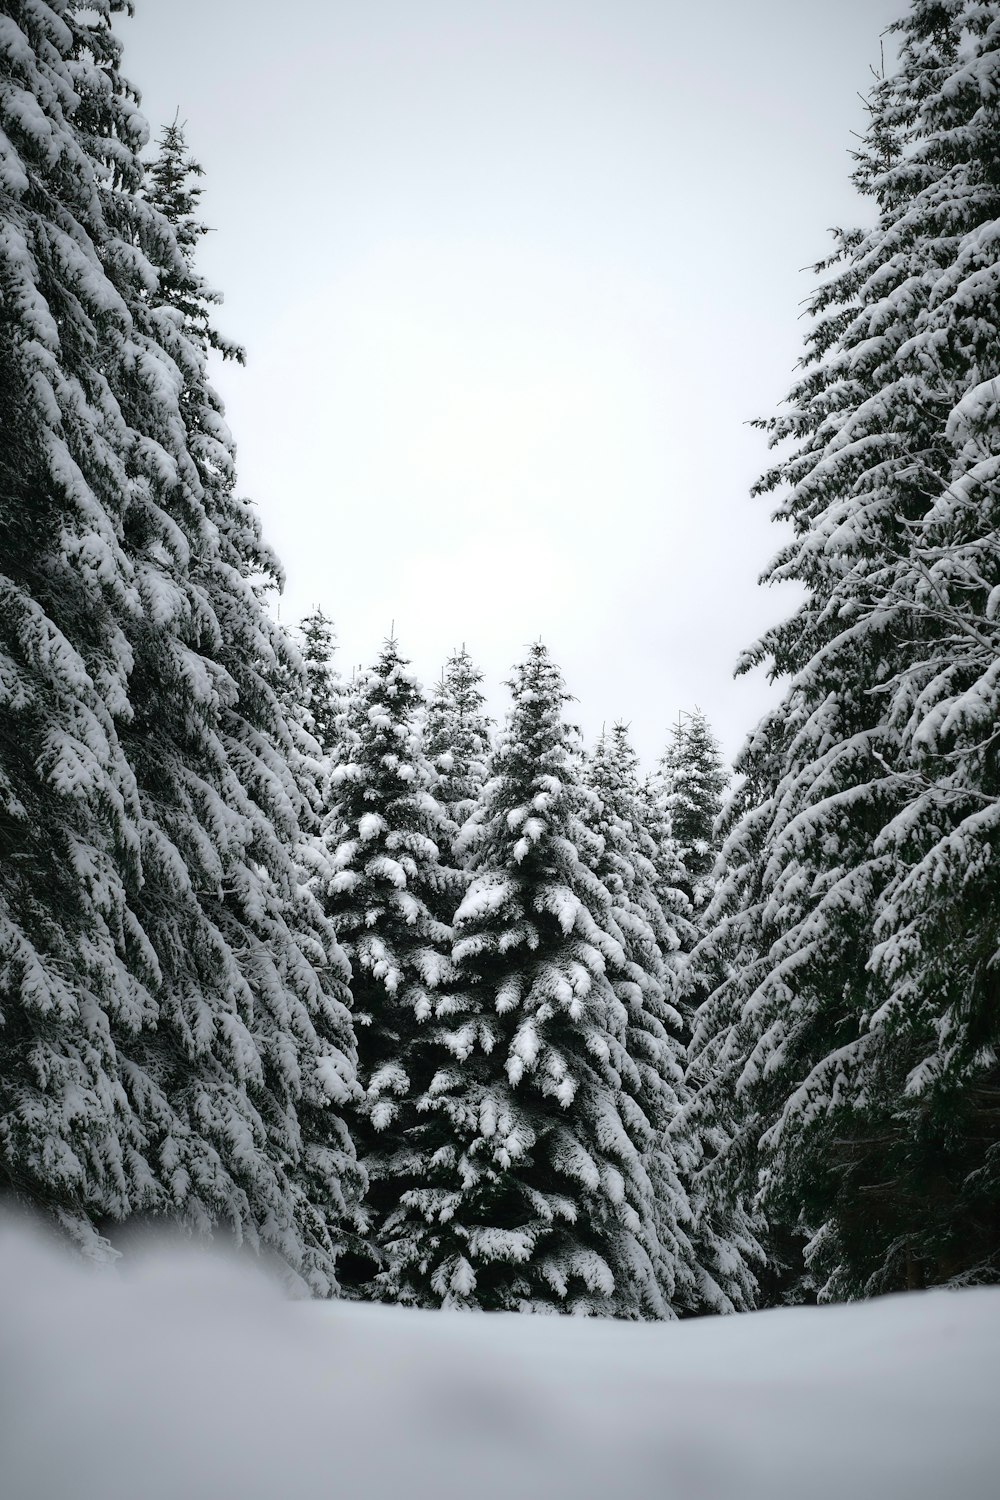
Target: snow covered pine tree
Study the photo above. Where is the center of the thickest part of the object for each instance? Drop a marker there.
(457, 742)
(536, 1194)
(683, 800)
(323, 692)
(692, 779)
(859, 1022)
(387, 885)
(686, 795)
(171, 1012)
(646, 983)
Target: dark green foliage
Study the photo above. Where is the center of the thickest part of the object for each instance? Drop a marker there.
(693, 779)
(457, 742)
(171, 1009)
(385, 885)
(173, 188)
(321, 691)
(647, 982)
(536, 1194)
(854, 1028)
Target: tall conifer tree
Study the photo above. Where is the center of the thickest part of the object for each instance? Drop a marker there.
(323, 692)
(857, 1025)
(647, 983)
(457, 741)
(692, 780)
(171, 1011)
(685, 802)
(536, 1194)
(386, 887)
(173, 185)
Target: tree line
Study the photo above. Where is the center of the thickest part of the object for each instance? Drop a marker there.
(515, 914)
(444, 1015)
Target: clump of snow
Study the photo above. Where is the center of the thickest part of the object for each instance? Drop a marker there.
(370, 825)
(180, 1373)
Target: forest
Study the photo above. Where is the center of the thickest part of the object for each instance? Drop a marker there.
(429, 1010)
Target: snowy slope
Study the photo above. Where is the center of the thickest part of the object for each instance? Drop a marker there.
(190, 1377)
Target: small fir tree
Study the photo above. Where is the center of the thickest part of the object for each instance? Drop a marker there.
(536, 1194)
(457, 741)
(711, 1247)
(173, 186)
(683, 803)
(693, 779)
(381, 839)
(646, 983)
(322, 690)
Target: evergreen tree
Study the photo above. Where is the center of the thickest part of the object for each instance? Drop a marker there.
(457, 741)
(686, 796)
(536, 1193)
(646, 983)
(692, 780)
(322, 691)
(855, 1030)
(173, 187)
(381, 838)
(171, 1008)
(671, 884)
(684, 800)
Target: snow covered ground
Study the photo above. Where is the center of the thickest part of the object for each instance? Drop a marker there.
(187, 1376)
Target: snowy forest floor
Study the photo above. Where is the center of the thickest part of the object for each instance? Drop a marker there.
(188, 1376)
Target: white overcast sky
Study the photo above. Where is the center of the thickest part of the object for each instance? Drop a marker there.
(512, 276)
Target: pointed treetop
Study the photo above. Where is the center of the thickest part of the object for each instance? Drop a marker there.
(322, 690)
(172, 187)
(457, 737)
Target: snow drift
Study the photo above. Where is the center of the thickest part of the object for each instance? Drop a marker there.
(182, 1374)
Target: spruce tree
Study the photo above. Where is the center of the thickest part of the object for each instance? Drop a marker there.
(171, 1008)
(647, 983)
(692, 780)
(320, 691)
(855, 1032)
(536, 1194)
(173, 186)
(685, 794)
(457, 741)
(685, 802)
(387, 883)
(671, 883)
(313, 700)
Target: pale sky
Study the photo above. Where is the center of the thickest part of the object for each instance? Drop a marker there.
(512, 279)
